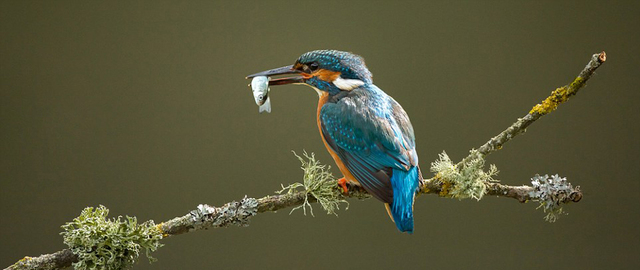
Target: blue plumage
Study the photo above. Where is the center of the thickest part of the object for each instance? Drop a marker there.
(349, 65)
(366, 131)
(404, 188)
(371, 134)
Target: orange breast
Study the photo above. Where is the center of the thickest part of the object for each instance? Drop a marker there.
(343, 169)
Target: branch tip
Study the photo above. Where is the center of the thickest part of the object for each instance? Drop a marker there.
(602, 57)
(576, 196)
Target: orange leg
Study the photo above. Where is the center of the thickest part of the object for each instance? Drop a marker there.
(343, 183)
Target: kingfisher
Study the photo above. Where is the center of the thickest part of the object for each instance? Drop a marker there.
(366, 131)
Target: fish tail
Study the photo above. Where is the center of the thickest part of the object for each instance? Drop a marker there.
(266, 106)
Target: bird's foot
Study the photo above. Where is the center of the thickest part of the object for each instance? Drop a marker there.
(342, 182)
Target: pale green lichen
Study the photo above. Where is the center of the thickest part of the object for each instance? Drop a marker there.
(464, 180)
(317, 182)
(232, 213)
(102, 243)
(550, 191)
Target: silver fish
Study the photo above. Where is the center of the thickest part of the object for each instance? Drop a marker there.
(260, 88)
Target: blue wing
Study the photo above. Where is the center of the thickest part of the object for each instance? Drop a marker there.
(372, 135)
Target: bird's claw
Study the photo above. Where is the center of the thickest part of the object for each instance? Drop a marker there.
(342, 182)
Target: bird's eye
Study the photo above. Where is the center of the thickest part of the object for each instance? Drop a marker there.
(313, 66)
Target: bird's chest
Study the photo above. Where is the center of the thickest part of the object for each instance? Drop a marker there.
(324, 97)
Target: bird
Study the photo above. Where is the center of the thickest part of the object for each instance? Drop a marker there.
(366, 132)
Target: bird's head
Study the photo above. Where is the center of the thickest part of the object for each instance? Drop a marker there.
(325, 70)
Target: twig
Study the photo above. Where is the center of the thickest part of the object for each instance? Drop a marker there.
(238, 213)
(58, 260)
(557, 97)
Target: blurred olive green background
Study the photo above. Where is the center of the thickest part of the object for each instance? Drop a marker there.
(142, 106)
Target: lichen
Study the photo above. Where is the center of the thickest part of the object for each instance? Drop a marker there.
(102, 243)
(319, 183)
(548, 105)
(159, 227)
(25, 263)
(558, 96)
(550, 192)
(578, 83)
(464, 180)
(445, 188)
(232, 213)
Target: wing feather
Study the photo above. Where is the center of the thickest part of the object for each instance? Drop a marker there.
(372, 135)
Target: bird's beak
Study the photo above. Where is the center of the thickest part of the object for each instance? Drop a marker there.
(280, 71)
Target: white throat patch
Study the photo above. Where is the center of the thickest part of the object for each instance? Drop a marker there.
(347, 84)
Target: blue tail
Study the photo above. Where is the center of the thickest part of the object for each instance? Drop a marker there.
(405, 184)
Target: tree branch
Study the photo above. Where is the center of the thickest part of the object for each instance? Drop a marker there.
(239, 213)
(557, 97)
(58, 260)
